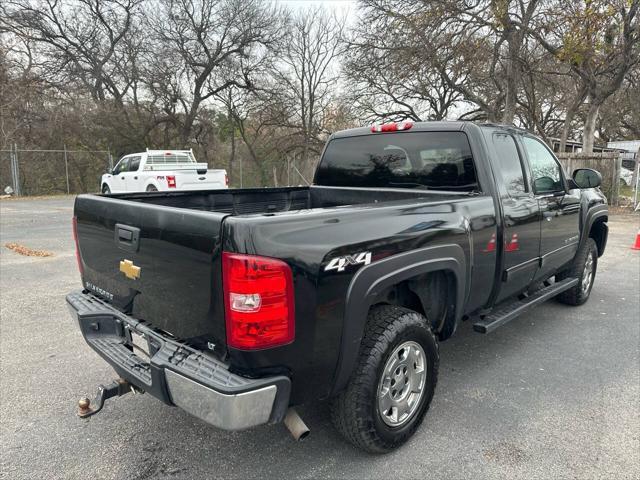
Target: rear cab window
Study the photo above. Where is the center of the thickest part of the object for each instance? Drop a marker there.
(170, 158)
(421, 160)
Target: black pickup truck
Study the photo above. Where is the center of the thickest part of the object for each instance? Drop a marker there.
(236, 305)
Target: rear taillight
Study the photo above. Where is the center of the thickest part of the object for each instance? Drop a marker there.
(171, 181)
(391, 127)
(226, 180)
(258, 300)
(75, 239)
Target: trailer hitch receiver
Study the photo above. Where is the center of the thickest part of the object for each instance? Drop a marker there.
(116, 388)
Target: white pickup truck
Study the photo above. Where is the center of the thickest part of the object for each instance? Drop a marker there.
(161, 170)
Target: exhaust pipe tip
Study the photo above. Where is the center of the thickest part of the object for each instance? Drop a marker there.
(298, 429)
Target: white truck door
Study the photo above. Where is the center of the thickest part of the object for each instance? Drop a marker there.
(132, 177)
(117, 177)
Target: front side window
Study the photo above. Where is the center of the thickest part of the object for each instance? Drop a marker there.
(427, 160)
(544, 168)
(508, 164)
(122, 166)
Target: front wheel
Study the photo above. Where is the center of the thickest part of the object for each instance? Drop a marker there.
(106, 190)
(393, 383)
(583, 268)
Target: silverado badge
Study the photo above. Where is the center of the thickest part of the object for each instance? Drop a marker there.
(129, 269)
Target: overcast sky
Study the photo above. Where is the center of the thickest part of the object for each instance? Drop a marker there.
(328, 4)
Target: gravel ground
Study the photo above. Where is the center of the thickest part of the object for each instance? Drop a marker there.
(553, 394)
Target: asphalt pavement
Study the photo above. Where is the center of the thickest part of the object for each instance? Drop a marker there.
(553, 394)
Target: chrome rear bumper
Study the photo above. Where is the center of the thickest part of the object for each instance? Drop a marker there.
(176, 373)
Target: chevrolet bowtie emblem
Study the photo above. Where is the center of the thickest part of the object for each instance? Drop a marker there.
(129, 269)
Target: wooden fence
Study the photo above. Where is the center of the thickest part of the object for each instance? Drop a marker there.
(608, 164)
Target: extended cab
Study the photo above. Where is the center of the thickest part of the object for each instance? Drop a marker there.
(236, 305)
(161, 170)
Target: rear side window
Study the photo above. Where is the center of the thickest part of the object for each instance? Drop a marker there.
(428, 160)
(134, 164)
(508, 164)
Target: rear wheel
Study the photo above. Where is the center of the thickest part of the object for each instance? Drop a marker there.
(392, 386)
(152, 188)
(584, 269)
(106, 190)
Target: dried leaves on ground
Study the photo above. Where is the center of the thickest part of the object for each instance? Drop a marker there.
(29, 252)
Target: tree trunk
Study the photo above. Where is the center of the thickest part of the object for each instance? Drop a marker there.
(588, 135)
(565, 130)
(571, 112)
(513, 78)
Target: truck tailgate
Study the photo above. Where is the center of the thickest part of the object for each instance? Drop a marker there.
(192, 180)
(159, 264)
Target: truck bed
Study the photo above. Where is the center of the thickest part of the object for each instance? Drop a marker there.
(273, 200)
(174, 239)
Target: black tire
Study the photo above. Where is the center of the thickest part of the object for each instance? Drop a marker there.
(355, 412)
(151, 188)
(579, 294)
(106, 190)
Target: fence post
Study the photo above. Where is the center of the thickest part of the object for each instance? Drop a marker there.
(66, 167)
(12, 167)
(15, 171)
(616, 177)
(12, 155)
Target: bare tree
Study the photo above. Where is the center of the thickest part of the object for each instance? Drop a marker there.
(395, 84)
(475, 46)
(81, 39)
(208, 46)
(619, 116)
(308, 74)
(600, 41)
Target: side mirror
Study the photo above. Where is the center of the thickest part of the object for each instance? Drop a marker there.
(110, 171)
(587, 178)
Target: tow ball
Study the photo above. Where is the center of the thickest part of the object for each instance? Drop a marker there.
(116, 388)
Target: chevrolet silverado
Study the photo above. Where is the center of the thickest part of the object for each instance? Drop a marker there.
(236, 305)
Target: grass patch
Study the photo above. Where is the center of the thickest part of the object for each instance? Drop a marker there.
(626, 190)
(26, 251)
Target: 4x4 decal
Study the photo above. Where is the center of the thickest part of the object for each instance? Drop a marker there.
(340, 263)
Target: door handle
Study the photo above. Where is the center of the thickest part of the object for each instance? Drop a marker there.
(127, 238)
(135, 178)
(122, 178)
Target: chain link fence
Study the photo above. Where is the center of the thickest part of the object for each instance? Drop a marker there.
(51, 172)
(62, 171)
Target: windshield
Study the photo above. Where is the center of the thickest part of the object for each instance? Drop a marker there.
(430, 160)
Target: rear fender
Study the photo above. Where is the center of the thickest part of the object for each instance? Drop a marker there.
(156, 183)
(371, 281)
